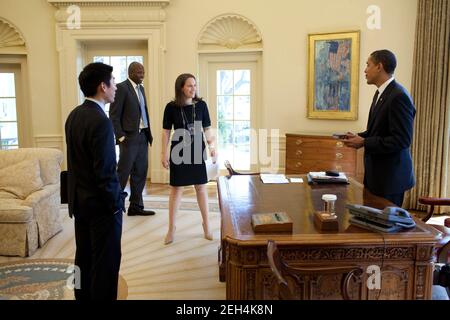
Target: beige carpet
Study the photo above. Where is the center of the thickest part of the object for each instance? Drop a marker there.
(186, 269)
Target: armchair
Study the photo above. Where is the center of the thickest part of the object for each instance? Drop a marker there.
(443, 246)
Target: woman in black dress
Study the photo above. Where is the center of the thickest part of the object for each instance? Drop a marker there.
(189, 117)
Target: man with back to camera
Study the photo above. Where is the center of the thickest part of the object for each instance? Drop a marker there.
(95, 197)
(387, 140)
(129, 115)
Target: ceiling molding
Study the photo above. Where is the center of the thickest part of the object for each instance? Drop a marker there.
(109, 3)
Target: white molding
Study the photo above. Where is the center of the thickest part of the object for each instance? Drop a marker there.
(49, 141)
(11, 39)
(134, 24)
(234, 51)
(111, 14)
(229, 32)
(24, 101)
(109, 3)
(94, 18)
(54, 142)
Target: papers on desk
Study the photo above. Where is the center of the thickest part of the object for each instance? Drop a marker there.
(296, 180)
(273, 178)
(321, 177)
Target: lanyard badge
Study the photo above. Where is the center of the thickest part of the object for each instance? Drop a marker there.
(189, 125)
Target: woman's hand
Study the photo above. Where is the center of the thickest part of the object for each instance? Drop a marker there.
(214, 154)
(165, 160)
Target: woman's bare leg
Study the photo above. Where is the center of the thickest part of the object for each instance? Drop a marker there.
(174, 204)
(202, 200)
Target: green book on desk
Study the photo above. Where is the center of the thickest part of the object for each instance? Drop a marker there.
(271, 222)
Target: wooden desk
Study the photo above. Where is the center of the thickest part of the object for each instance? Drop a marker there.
(405, 258)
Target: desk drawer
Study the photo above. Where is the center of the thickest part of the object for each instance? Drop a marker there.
(296, 142)
(306, 153)
(304, 166)
(300, 153)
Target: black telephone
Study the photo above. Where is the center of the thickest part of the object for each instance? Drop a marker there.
(390, 219)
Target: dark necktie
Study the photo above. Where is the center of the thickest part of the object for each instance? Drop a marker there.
(374, 103)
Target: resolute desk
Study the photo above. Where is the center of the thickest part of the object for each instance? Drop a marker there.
(405, 258)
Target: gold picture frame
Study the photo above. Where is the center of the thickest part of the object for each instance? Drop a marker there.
(333, 80)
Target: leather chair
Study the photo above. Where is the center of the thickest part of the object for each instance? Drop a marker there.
(443, 246)
(232, 172)
(281, 271)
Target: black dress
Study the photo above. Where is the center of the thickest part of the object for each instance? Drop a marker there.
(187, 150)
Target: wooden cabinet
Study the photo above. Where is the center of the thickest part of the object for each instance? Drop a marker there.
(306, 153)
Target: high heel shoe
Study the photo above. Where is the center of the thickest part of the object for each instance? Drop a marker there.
(208, 235)
(169, 236)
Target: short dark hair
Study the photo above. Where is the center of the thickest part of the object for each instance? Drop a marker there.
(92, 76)
(134, 65)
(179, 84)
(386, 58)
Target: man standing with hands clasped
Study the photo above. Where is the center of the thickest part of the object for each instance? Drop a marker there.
(387, 140)
(129, 115)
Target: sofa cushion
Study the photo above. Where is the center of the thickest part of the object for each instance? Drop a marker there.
(7, 195)
(21, 179)
(13, 211)
(49, 159)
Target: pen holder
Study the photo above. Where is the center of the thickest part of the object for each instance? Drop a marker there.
(329, 201)
(326, 222)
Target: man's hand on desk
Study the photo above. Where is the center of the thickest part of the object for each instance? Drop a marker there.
(353, 140)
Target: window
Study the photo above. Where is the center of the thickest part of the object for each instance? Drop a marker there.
(9, 136)
(233, 116)
(120, 67)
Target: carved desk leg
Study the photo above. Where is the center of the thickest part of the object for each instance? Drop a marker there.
(222, 261)
(423, 273)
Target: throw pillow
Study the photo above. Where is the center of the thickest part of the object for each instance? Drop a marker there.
(21, 179)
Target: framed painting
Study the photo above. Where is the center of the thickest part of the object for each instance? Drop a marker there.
(333, 76)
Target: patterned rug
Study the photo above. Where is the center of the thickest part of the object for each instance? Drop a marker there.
(41, 280)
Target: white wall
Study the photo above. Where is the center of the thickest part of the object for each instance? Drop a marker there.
(284, 24)
(35, 20)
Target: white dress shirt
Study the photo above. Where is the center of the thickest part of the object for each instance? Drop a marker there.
(383, 87)
(101, 104)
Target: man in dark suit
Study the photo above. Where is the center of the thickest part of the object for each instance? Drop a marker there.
(95, 197)
(387, 140)
(129, 115)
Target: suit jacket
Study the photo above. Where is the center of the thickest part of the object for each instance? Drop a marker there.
(387, 157)
(125, 112)
(93, 185)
